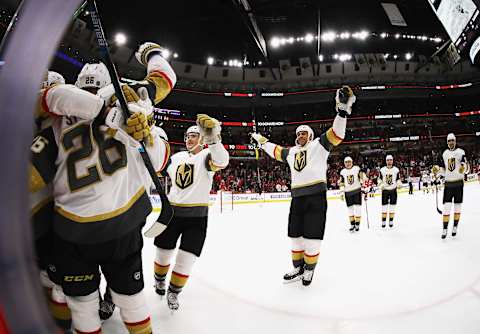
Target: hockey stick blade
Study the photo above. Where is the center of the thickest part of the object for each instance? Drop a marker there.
(167, 211)
(154, 230)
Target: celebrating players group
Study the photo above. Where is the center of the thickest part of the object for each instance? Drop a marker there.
(89, 199)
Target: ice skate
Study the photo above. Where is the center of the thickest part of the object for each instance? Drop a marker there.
(307, 277)
(293, 276)
(172, 301)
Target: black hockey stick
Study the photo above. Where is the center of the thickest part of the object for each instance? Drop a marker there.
(436, 185)
(366, 210)
(166, 213)
(256, 146)
(436, 199)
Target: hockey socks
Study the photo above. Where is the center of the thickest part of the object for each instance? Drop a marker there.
(161, 272)
(309, 267)
(392, 215)
(357, 223)
(384, 219)
(352, 223)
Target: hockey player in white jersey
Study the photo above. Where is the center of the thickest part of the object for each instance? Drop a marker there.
(191, 172)
(425, 182)
(308, 165)
(452, 166)
(351, 186)
(389, 182)
(101, 207)
(56, 100)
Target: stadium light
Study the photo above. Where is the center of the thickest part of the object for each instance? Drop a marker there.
(363, 35)
(320, 58)
(166, 53)
(408, 56)
(397, 36)
(175, 55)
(309, 38)
(225, 63)
(275, 42)
(383, 35)
(210, 60)
(395, 56)
(291, 40)
(120, 39)
(330, 36)
(345, 57)
(335, 56)
(259, 62)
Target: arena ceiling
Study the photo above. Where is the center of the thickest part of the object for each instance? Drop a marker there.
(235, 29)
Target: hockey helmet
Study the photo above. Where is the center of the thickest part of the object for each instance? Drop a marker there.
(307, 129)
(53, 78)
(93, 76)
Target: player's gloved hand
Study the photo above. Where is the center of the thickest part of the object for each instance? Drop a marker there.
(345, 99)
(145, 50)
(435, 169)
(259, 138)
(210, 129)
(462, 168)
(137, 125)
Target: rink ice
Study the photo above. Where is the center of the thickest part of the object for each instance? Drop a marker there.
(400, 280)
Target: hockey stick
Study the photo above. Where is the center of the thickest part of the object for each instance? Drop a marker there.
(166, 213)
(10, 25)
(254, 126)
(436, 199)
(366, 210)
(433, 162)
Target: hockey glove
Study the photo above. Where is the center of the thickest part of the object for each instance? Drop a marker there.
(345, 99)
(259, 138)
(145, 50)
(209, 129)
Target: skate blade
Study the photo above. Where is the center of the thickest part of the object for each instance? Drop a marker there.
(293, 280)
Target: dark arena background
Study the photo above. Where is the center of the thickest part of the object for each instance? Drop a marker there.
(270, 66)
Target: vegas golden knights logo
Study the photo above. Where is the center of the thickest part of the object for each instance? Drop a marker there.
(300, 161)
(350, 179)
(389, 178)
(451, 164)
(184, 176)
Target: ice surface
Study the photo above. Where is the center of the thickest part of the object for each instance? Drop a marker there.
(400, 280)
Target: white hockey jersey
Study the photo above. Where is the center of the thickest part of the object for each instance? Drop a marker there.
(308, 164)
(98, 183)
(451, 162)
(192, 178)
(390, 177)
(54, 102)
(351, 179)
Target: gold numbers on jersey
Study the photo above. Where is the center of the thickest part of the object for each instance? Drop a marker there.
(350, 179)
(389, 179)
(300, 161)
(79, 143)
(184, 176)
(451, 164)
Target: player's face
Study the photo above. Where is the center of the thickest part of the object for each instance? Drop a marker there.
(389, 162)
(451, 144)
(192, 140)
(302, 138)
(348, 164)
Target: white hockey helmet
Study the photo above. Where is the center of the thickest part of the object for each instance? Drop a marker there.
(93, 76)
(451, 136)
(53, 78)
(307, 129)
(348, 159)
(389, 157)
(192, 129)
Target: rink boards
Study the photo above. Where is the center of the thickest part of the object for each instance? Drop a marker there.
(278, 197)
